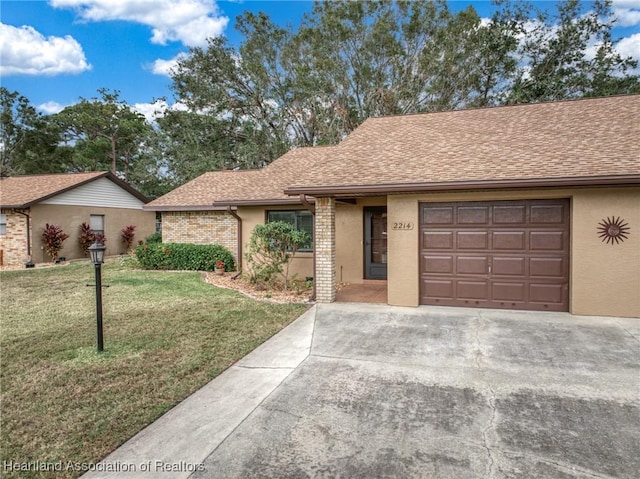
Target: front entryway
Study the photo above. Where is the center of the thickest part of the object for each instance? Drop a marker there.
(500, 254)
(375, 242)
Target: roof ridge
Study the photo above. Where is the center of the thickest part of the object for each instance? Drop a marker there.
(497, 107)
(58, 174)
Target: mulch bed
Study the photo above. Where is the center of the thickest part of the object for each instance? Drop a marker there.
(243, 286)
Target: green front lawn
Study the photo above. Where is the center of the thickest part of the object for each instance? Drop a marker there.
(166, 335)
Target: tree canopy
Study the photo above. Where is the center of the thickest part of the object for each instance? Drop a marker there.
(244, 106)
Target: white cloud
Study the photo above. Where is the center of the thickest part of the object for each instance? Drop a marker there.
(51, 107)
(152, 111)
(25, 51)
(630, 47)
(166, 67)
(626, 17)
(188, 21)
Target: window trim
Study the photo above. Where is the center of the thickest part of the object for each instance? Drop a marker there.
(103, 224)
(3, 224)
(296, 213)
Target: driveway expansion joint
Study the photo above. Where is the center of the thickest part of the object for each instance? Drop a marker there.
(265, 367)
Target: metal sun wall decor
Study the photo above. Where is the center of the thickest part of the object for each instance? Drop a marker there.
(613, 230)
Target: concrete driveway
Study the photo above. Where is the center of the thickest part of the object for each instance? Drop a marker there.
(364, 391)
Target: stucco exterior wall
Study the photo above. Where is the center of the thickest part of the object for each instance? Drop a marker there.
(604, 279)
(14, 243)
(201, 227)
(69, 218)
(350, 239)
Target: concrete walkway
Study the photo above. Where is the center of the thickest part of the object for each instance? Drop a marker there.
(364, 391)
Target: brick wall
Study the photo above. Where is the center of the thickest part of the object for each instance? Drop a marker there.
(201, 227)
(325, 250)
(14, 243)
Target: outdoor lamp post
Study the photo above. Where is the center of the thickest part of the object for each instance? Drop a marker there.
(96, 252)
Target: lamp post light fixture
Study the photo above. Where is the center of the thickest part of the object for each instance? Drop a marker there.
(96, 252)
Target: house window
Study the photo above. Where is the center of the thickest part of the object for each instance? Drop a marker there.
(3, 224)
(301, 219)
(96, 223)
(158, 222)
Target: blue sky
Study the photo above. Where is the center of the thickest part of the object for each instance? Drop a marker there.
(56, 51)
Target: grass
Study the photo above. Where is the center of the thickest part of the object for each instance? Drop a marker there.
(166, 335)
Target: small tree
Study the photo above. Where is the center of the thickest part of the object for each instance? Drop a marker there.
(53, 237)
(128, 233)
(271, 250)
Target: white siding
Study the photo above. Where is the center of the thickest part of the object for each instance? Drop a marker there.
(101, 192)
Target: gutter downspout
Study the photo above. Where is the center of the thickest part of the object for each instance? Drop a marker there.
(28, 220)
(312, 209)
(235, 215)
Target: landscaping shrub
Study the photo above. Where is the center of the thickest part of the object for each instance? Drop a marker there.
(128, 233)
(53, 237)
(271, 250)
(87, 237)
(181, 256)
(154, 238)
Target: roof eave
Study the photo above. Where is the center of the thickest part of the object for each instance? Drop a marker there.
(184, 208)
(259, 202)
(364, 190)
(125, 186)
(13, 207)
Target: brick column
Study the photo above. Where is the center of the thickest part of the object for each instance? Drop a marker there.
(325, 250)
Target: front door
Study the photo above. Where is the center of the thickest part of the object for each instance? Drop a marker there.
(375, 242)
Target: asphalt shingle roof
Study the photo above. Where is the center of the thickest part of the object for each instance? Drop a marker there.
(581, 138)
(592, 138)
(23, 191)
(264, 186)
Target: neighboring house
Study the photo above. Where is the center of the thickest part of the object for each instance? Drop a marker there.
(533, 207)
(100, 199)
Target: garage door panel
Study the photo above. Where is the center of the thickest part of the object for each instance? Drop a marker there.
(502, 254)
(438, 264)
(509, 240)
(502, 291)
(546, 293)
(473, 290)
(473, 215)
(509, 214)
(508, 266)
(472, 264)
(437, 240)
(546, 241)
(442, 215)
(548, 267)
(472, 240)
(547, 214)
(438, 288)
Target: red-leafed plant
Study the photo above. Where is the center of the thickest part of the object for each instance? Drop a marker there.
(53, 237)
(99, 238)
(87, 237)
(128, 233)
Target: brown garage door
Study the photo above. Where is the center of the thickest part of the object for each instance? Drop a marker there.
(501, 254)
